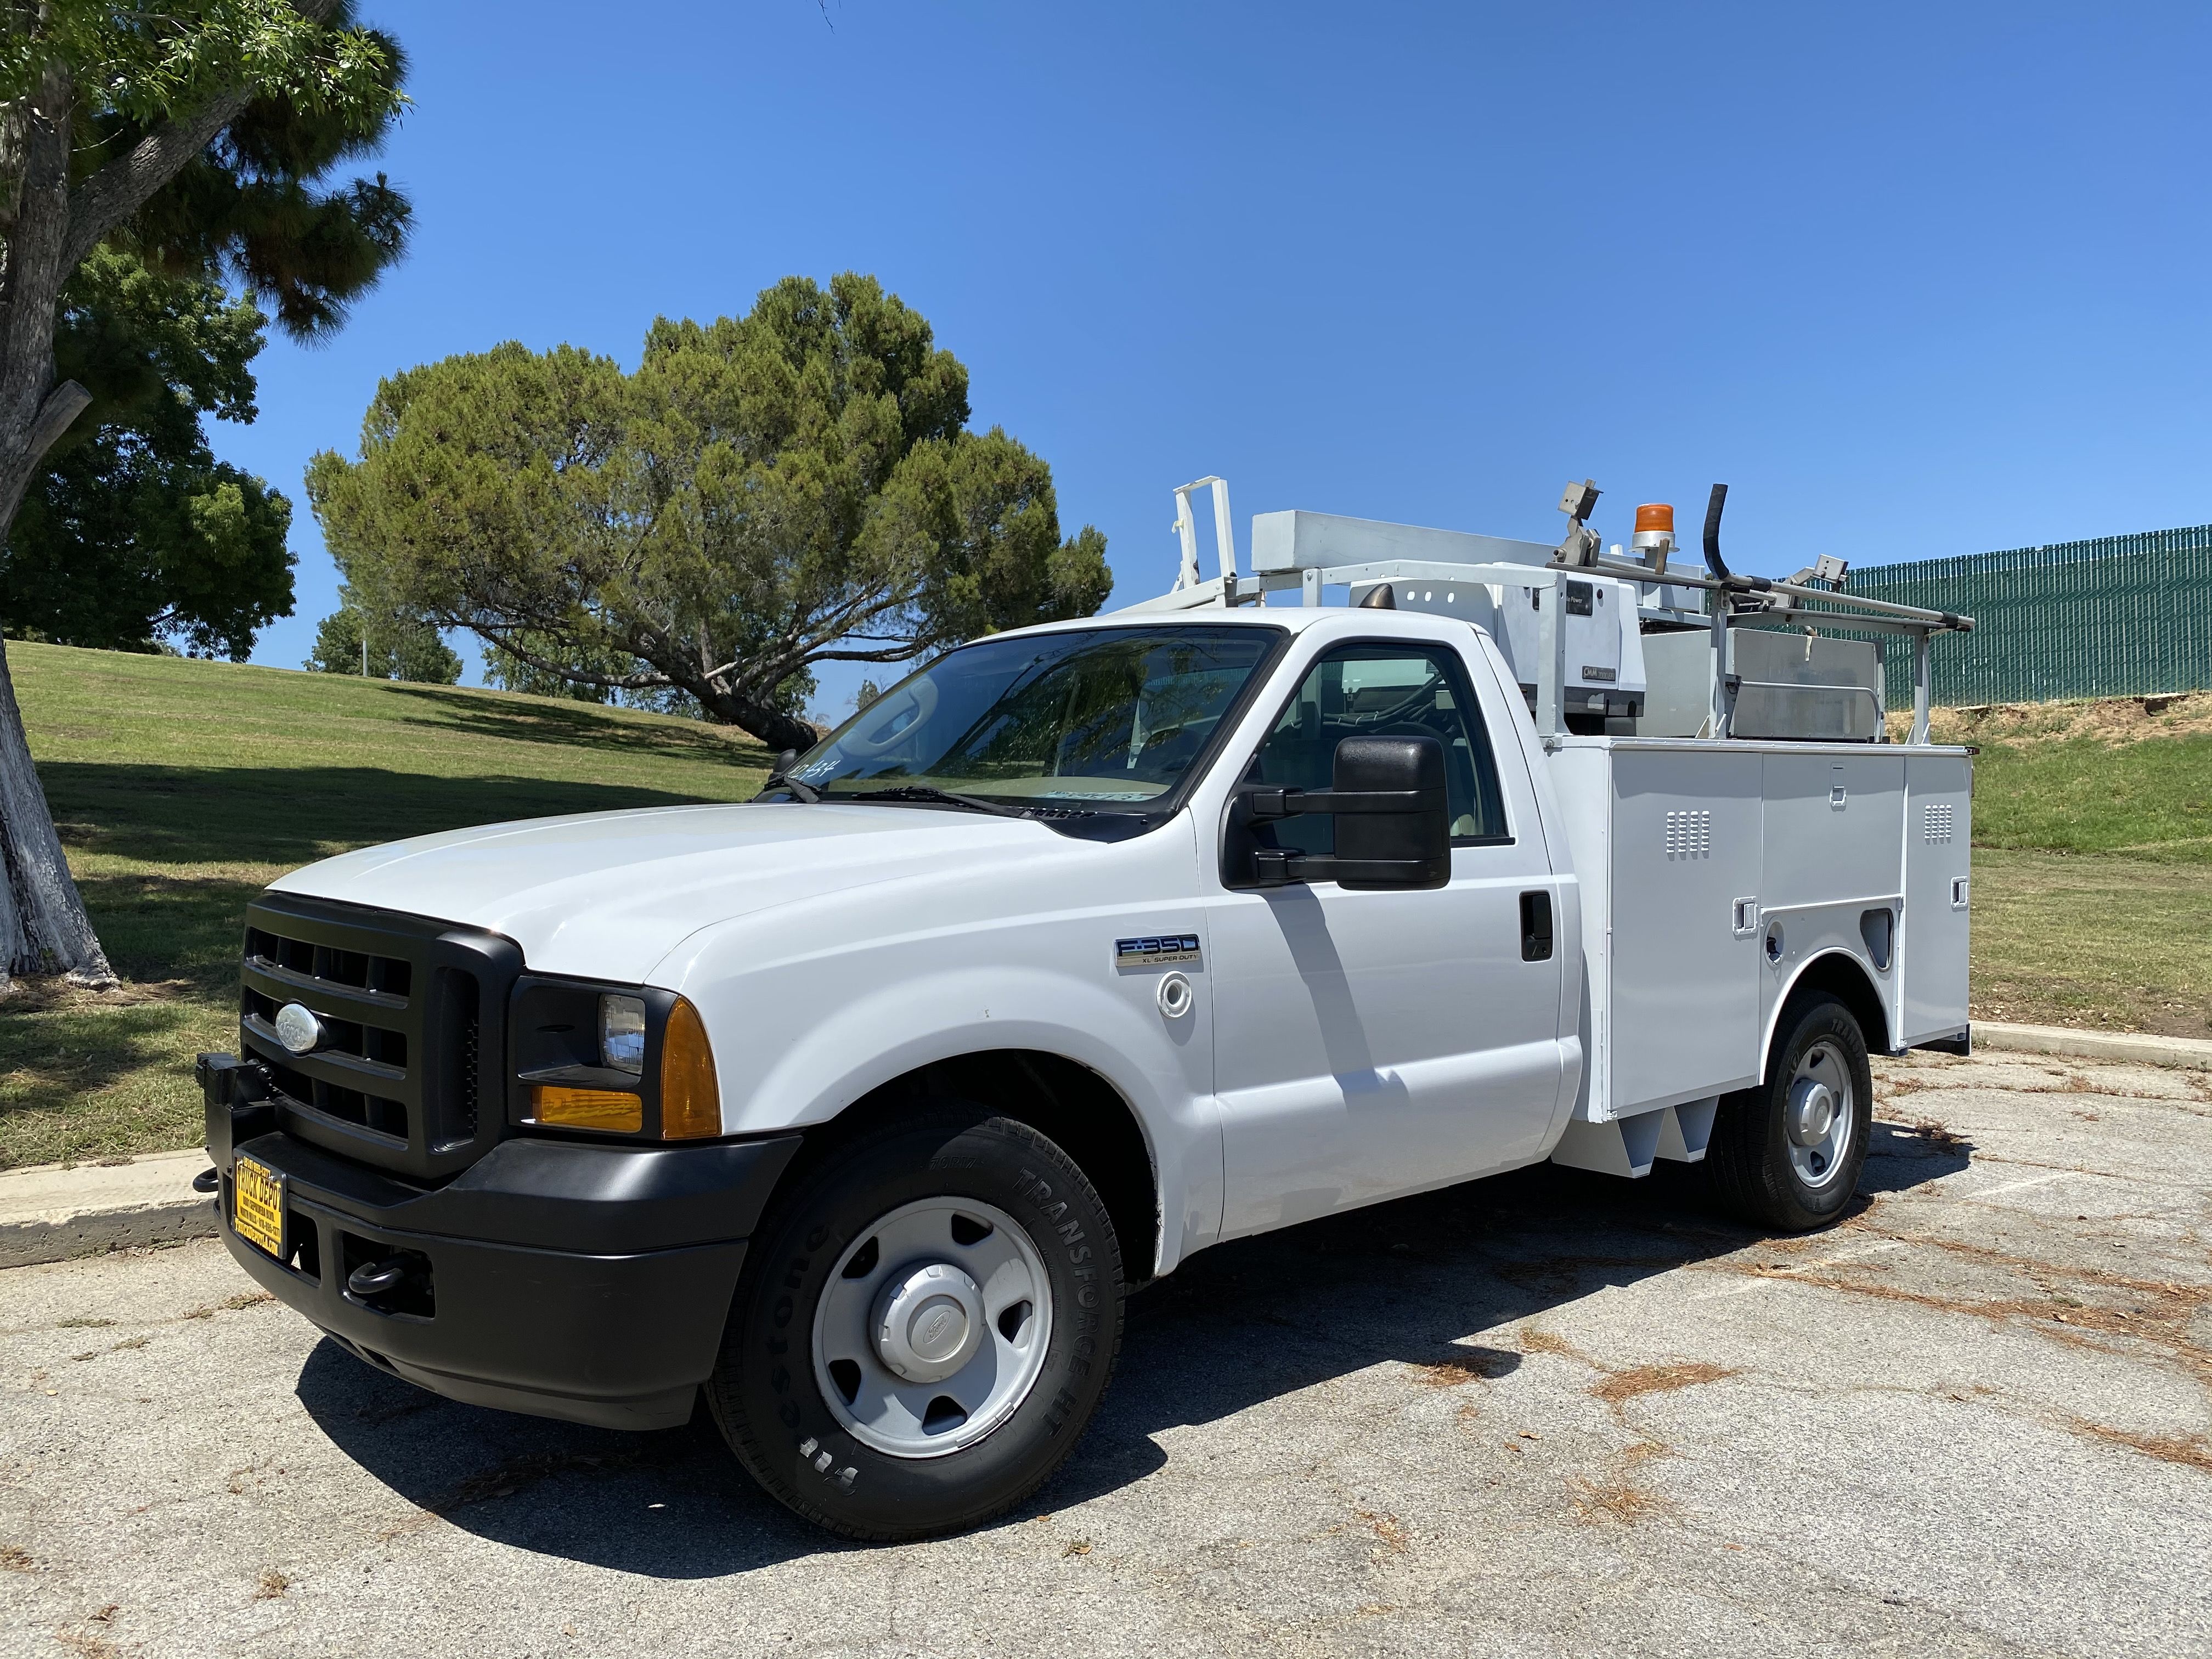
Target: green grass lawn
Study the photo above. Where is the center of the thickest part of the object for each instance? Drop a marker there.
(181, 789)
(2123, 944)
(2092, 862)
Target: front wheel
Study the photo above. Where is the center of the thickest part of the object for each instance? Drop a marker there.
(1788, 1153)
(923, 1327)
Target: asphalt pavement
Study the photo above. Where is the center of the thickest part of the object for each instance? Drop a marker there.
(1551, 1413)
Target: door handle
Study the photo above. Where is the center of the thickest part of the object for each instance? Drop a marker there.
(1535, 926)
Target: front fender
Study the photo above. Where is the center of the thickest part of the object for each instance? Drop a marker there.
(815, 1065)
(878, 1036)
(812, 1008)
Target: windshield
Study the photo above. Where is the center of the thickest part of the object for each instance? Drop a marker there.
(1100, 720)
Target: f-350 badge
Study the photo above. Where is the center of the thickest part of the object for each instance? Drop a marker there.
(1152, 951)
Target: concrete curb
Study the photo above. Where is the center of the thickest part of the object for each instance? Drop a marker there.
(2130, 1046)
(51, 1211)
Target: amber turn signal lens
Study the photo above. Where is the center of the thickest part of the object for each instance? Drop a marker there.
(690, 1100)
(1656, 515)
(587, 1108)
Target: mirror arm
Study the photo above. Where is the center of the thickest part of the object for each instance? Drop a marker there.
(1271, 868)
(1268, 804)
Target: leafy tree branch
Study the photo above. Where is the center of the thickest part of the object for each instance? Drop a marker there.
(796, 486)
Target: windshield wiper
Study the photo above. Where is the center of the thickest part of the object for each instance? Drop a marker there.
(927, 793)
(779, 779)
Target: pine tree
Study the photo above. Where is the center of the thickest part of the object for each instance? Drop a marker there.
(193, 135)
(398, 646)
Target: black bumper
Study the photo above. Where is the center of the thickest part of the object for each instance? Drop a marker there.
(585, 1282)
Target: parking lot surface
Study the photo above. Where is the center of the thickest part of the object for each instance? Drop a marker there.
(1548, 1413)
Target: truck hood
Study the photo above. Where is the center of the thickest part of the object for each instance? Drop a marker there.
(607, 895)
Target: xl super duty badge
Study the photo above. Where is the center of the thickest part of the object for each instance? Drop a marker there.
(1145, 953)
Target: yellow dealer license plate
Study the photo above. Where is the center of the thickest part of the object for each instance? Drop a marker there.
(258, 1206)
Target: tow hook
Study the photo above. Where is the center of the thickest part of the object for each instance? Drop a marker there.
(374, 1278)
(206, 1181)
(386, 1280)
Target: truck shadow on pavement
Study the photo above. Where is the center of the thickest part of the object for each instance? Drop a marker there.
(1399, 1284)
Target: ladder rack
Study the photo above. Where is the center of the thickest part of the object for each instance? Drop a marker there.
(1311, 552)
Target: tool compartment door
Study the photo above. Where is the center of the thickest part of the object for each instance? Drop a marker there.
(1686, 847)
(1834, 828)
(1932, 948)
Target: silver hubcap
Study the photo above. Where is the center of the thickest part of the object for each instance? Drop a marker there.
(1818, 1116)
(1812, 1111)
(929, 1323)
(933, 1326)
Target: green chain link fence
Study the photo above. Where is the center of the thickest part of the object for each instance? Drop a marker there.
(2122, 615)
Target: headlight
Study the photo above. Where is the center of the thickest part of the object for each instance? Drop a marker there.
(621, 1034)
(615, 1062)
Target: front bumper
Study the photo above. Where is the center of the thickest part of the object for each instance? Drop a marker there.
(585, 1282)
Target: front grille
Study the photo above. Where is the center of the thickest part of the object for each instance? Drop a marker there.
(404, 1003)
(380, 1113)
(384, 1049)
(391, 976)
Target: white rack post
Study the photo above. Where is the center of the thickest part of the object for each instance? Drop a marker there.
(1551, 659)
(1719, 601)
(1186, 529)
(1922, 687)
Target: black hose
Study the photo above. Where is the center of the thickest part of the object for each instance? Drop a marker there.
(1713, 560)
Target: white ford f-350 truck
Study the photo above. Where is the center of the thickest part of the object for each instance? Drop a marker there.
(862, 1106)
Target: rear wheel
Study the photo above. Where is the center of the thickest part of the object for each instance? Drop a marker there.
(923, 1327)
(1787, 1154)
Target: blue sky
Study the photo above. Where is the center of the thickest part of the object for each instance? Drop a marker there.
(1914, 280)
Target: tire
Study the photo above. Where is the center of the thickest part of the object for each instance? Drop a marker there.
(882, 1234)
(1793, 1183)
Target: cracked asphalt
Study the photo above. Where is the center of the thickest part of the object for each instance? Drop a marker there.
(1545, 1414)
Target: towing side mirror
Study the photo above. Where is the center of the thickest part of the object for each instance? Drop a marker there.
(1393, 819)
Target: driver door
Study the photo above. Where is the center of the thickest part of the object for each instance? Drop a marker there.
(1369, 1044)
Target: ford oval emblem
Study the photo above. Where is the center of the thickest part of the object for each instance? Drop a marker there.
(298, 1029)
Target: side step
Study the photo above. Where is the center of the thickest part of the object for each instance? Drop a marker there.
(1630, 1145)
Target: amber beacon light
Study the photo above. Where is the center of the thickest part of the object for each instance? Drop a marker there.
(1655, 533)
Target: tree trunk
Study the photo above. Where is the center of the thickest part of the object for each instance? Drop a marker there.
(778, 730)
(43, 925)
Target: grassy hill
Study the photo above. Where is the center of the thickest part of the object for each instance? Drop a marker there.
(2093, 861)
(181, 789)
(2125, 776)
